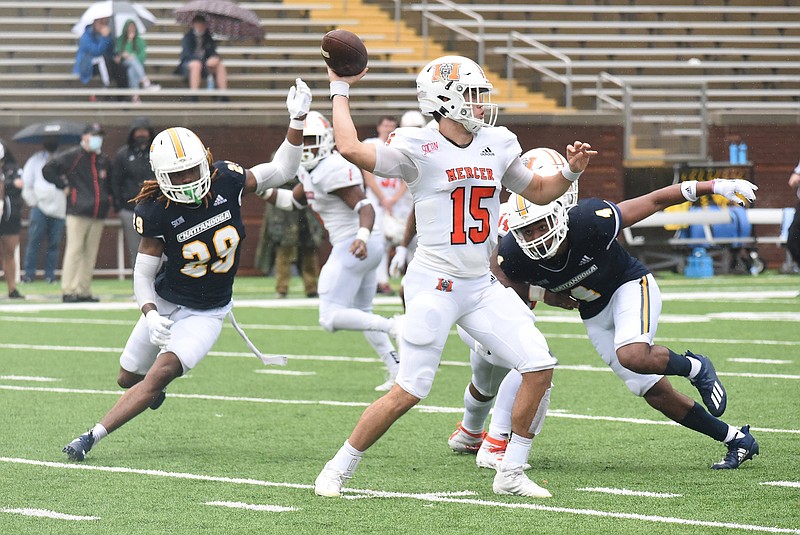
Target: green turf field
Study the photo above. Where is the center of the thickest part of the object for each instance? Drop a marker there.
(236, 446)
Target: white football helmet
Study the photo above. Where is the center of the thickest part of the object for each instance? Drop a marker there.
(546, 162)
(451, 85)
(522, 213)
(412, 118)
(177, 149)
(318, 127)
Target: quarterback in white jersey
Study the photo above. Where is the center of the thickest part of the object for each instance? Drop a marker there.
(455, 175)
(333, 188)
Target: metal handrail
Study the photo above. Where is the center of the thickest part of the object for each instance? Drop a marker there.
(626, 105)
(512, 56)
(427, 15)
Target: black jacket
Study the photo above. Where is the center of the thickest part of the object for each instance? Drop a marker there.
(87, 175)
(131, 168)
(188, 45)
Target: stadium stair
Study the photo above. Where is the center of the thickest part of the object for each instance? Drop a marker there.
(371, 19)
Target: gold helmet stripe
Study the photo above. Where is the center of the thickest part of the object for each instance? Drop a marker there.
(176, 143)
(522, 210)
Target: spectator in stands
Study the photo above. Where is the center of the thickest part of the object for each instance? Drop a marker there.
(793, 238)
(383, 195)
(131, 169)
(96, 55)
(10, 218)
(291, 238)
(131, 52)
(199, 57)
(48, 209)
(83, 172)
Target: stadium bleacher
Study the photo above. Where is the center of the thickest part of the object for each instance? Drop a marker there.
(544, 56)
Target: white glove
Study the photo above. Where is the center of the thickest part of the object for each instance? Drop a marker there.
(298, 102)
(158, 327)
(731, 189)
(399, 260)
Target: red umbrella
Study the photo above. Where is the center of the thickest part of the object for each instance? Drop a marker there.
(224, 18)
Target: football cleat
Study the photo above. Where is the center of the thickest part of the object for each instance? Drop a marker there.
(462, 441)
(512, 480)
(78, 448)
(329, 482)
(739, 450)
(491, 453)
(707, 383)
(159, 399)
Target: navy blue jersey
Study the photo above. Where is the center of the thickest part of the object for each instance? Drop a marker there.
(593, 267)
(201, 244)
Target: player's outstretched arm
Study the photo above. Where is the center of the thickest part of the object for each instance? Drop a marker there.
(344, 131)
(286, 161)
(636, 209)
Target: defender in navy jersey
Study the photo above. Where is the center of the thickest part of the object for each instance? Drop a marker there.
(191, 227)
(572, 259)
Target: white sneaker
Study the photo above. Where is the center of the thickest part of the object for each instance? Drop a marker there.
(329, 482)
(512, 480)
(385, 387)
(462, 441)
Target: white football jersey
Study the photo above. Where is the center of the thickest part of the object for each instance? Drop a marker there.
(330, 174)
(456, 195)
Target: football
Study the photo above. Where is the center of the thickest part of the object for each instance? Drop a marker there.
(344, 52)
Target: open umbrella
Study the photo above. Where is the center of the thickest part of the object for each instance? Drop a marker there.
(224, 18)
(68, 132)
(120, 11)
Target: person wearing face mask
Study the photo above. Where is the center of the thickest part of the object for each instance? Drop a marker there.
(83, 173)
(48, 210)
(131, 168)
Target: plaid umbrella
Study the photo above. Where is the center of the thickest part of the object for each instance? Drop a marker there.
(224, 18)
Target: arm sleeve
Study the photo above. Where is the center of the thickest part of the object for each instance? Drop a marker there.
(517, 176)
(144, 277)
(280, 170)
(393, 163)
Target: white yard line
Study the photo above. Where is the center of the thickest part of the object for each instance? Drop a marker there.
(760, 361)
(28, 378)
(426, 497)
(431, 409)
(794, 484)
(284, 372)
(45, 513)
(340, 358)
(254, 507)
(627, 492)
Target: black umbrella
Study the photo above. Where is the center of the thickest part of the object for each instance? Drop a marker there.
(67, 132)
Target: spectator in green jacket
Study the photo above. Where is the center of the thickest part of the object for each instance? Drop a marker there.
(131, 49)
